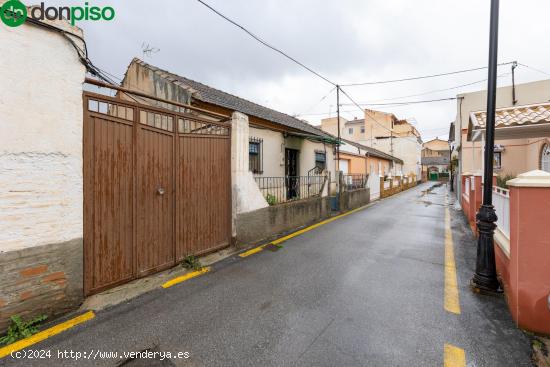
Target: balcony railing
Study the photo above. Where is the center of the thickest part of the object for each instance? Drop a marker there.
(277, 190)
(501, 202)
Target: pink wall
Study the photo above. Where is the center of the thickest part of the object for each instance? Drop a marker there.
(526, 272)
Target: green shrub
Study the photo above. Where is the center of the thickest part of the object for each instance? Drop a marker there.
(191, 262)
(20, 329)
(501, 180)
(271, 199)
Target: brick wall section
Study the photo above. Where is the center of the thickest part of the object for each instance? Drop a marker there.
(40, 280)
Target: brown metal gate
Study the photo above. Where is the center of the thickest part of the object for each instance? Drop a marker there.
(157, 187)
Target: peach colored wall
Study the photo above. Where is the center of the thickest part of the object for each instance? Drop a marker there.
(529, 267)
(519, 155)
(436, 144)
(355, 164)
(364, 164)
(374, 163)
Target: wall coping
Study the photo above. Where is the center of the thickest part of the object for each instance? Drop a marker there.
(536, 178)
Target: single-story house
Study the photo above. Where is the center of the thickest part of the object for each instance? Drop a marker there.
(357, 158)
(522, 138)
(280, 146)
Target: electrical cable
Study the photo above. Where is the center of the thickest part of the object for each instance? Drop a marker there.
(420, 77)
(535, 69)
(376, 121)
(405, 103)
(438, 90)
(317, 103)
(265, 43)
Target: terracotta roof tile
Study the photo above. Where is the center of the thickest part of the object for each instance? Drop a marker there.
(514, 116)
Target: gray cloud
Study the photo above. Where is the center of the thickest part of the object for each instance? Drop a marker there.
(348, 41)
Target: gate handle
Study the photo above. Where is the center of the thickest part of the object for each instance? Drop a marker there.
(160, 191)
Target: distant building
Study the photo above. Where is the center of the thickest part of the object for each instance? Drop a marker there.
(384, 132)
(435, 156)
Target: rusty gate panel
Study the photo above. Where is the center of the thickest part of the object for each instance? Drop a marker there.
(157, 187)
(203, 195)
(155, 197)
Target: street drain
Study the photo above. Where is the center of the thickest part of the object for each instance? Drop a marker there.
(150, 357)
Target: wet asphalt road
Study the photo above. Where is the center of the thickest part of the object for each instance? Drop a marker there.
(364, 290)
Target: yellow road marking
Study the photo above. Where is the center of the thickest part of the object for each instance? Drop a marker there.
(452, 303)
(307, 229)
(185, 277)
(45, 334)
(301, 231)
(252, 251)
(453, 356)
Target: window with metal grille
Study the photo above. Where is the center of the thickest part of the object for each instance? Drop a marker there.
(255, 155)
(320, 159)
(351, 131)
(545, 158)
(498, 160)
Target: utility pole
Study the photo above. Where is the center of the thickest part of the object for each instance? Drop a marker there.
(485, 277)
(338, 122)
(514, 66)
(451, 166)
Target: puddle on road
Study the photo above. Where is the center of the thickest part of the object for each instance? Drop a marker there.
(429, 192)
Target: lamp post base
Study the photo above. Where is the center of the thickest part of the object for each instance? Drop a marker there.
(485, 277)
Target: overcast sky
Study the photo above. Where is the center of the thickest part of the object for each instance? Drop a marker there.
(346, 40)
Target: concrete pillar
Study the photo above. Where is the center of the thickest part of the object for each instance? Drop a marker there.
(245, 192)
(465, 205)
(529, 270)
(478, 194)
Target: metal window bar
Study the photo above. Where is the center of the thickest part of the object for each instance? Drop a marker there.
(256, 155)
(277, 190)
(354, 181)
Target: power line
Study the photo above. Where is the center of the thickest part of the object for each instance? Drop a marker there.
(316, 103)
(394, 104)
(419, 77)
(265, 43)
(374, 119)
(535, 69)
(438, 90)
(404, 102)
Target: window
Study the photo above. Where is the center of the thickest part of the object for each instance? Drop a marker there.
(545, 158)
(497, 161)
(320, 159)
(255, 155)
(350, 130)
(362, 129)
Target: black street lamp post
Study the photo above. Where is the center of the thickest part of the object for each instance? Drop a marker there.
(485, 277)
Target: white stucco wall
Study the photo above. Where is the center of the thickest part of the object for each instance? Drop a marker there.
(407, 149)
(246, 195)
(274, 145)
(273, 159)
(40, 138)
